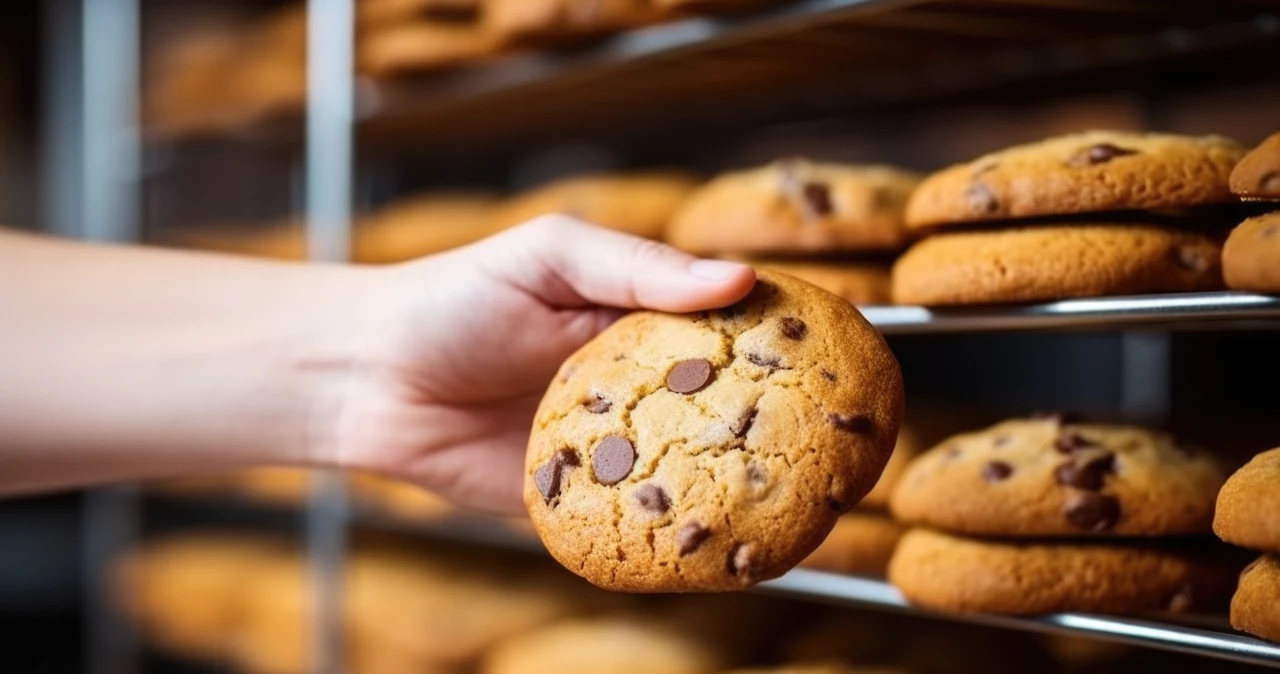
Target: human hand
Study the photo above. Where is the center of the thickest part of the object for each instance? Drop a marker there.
(444, 392)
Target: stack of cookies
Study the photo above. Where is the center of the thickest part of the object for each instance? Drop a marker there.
(1246, 516)
(828, 224)
(1251, 256)
(1084, 215)
(1042, 515)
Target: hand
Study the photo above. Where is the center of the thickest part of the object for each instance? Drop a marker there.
(444, 393)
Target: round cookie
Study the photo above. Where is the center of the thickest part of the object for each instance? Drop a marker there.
(636, 203)
(714, 450)
(1251, 256)
(421, 225)
(419, 46)
(1254, 606)
(1257, 176)
(1034, 264)
(544, 21)
(1248, 503)
(858, 283)
(796, 206)
(1044, 477)
(952, 573)
(1079, 173)
(861, 544)
(619, 644)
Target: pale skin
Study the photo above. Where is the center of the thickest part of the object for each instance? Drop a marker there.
(125, 363)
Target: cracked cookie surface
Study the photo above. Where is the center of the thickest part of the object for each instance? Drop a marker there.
(1047, 477)
(715, 450)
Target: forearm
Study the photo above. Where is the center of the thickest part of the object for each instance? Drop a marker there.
(121, 362)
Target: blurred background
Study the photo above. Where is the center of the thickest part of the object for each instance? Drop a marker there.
(183, 123)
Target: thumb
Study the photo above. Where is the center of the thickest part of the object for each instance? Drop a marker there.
(568, 263)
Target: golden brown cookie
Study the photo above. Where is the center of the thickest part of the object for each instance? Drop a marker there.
(376, 13)
(715, 450)
(904, 452)
(619, 644)
(1247, 504)
(952, 573)
(1257, 176)
(827, 668)
(1255, 608)
(268, 76)
(398, 499)
(1251, 256)
(546, 21)
(1079, 173)
(422, 225)
(274, 633)
(1046, 477)
(860, 283)
(185, 90)
(422, 45)
(861, 544)
(796, 206)
(636, 203)
(1053, 262)
(278, 486)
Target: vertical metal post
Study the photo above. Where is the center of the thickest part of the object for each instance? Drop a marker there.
(330, 114)
(1145, 368)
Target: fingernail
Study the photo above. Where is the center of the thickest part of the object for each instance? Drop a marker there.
(715, 270)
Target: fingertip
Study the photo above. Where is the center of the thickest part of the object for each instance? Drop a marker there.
(731, 281)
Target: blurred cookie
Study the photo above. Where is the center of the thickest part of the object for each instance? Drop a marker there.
(904, 452)
(376, 13)
(1251, 256)
(796, 206)
(1086, 172)
(276, 486)
(418, 46)
(859, 283)
(1257, 176)
(274, 633)
(619, 644)
(398, 499)
(422, 225)
(1053, 262)
(1046, 477)
(636, 203)
(951, 573)
(860, 544)
(548, 21)
(715, 450)
(1254, 607)
(1248, 505)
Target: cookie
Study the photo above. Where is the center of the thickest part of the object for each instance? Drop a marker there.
(828, 668)
(1080, 173)
(377, 13)
(1035, 264)
(1251, 256)
(620, 644)
(549, 21)
(419, 46)
(288, 487)
(422, 225)
(274, 633)
(1248, 502)
(860, 283)
(860, 544)
(1257, 176)
(400, 500)
(1047, 477)
(1254, 606)
(796, 206)
(715, 450)
(951, 573)
(636, 203)
(904, 452)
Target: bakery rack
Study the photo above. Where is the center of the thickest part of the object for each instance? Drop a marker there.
(787, 61)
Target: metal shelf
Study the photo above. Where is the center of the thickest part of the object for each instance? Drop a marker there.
(1219, 309)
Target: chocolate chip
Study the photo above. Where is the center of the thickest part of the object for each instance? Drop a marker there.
(793, 328)
(981, 199)
(1269, 232)
(817, 196)
(1071, 441)
(1088, 473)
(1092, 512)
(652, 498)
(597, 405)
(828, 375)
(1098, 154)
(613, 459)
(1192, 259)
(742, 562)
(756, 473)
(691, 536)
(853, 423)
(764, 361)
(689, 376)
(743, 424)
(996, 471)
(547, 477)
(1269, 183)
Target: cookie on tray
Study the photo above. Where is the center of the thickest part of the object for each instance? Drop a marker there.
(715, 450)
(621, 644)
(1079, 173)
(952, 573)
(1054, 262)
(861, 544)
(796, 206)
(1045, 477)
(636, 203)
(1257, 176)
(904, 452)
(1254, 608)
(1248, 502)
(548, 21)
(374, 13)
(1251, 256)
(419, 46)
(422, 225)
(860, 283)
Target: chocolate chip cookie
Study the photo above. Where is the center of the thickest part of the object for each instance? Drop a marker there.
(422, 45)
(714, 450)
(1248, 503)
(1049, 477)
(861, 544)
(549, 21)
(1254, 606)
(636, 203)
(860, 283)
(1079, 173)
(1257, 176)
(1053, 262)
(1251, 256)
(953, 573)
(796, 206)
(614, 643)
